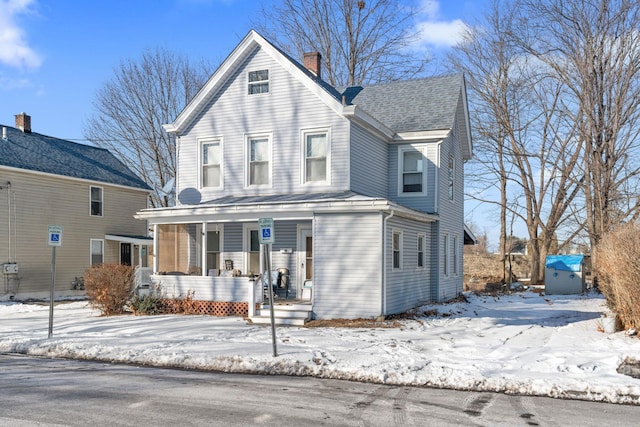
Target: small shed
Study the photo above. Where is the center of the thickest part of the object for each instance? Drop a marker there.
(564, 274)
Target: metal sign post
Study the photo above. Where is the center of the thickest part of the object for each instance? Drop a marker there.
(54, 240)
(266, 238)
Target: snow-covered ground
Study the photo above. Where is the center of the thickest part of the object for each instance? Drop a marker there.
(522, 343)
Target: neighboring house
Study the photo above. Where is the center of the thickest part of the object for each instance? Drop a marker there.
(49, 181)
(365, 186)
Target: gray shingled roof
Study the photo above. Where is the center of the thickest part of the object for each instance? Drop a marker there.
(411, 105)
(41, 153)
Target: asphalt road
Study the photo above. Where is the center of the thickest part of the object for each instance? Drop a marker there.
(54, 392)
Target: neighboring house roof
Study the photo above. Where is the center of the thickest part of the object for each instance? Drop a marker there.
(46, 154)
(426, 108)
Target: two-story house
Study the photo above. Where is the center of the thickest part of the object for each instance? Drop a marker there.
(47, 181)
(365, 187)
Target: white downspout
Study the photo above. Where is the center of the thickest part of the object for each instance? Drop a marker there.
(384, 263)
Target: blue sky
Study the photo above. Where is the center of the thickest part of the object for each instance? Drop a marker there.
(56, 55)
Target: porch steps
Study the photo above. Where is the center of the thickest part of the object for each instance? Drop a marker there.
(284, 314)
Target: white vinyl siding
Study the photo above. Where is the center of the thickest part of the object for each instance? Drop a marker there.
(95, 201)
(342, 288)
(407, 287)
(211, 163)
(289, 109)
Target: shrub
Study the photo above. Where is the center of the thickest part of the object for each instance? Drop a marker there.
(146, 304)
(619, 273)
(109, 287)
(157, 303)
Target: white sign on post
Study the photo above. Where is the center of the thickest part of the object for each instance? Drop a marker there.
(266, 234)
(55, 235)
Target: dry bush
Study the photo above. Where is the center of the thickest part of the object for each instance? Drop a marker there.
(619, 273)
(109, 287)
(185, 305)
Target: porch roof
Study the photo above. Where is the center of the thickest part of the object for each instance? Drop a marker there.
(136, 240)
(282, 206)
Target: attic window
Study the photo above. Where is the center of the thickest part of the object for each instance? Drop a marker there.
(258, 82)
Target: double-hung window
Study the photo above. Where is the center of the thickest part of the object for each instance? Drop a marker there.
(211, 163)
(412, 171)
(397, 249)
(452, 171)
(258, 82)
(259, 150)
(454, 263)
(97, 252)
(445, 258)
(95, 203)
(316, 149)
(213, 250)
(420, 249)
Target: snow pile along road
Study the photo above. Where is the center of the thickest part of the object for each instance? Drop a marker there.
(523, 343)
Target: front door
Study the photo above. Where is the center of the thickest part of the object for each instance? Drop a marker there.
(305, 258)
(125, 253)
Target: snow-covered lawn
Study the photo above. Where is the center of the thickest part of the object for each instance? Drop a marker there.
(522, 343)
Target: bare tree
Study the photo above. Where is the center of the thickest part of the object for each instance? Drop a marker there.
(360, 41)
(131, 108)
(525, 142)
(593, 46)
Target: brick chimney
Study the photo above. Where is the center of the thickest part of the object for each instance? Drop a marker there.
(312, 62)
(23, 122)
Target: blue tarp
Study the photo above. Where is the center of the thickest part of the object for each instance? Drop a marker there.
(565, 262)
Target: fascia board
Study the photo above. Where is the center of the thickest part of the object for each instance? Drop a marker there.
(250, 42)
(428, 135)
(467, 152)
(289, 211)
(353, 112)
(228, 65)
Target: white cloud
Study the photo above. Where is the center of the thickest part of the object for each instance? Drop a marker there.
(434, 31)
(14, 48)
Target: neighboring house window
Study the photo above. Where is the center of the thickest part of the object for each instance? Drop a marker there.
(211, 163)
(445, 260)
(259, 153)
(316, 150)
(97, 252)
(452, 172)
(397, 249)
(213, 249)
(96, 201)
(454, 260)
(421, 240)
(411, 168)
(258, 82)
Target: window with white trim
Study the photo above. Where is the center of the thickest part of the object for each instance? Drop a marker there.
(421, 251)
(316, 150)
(445, 258)
(397, 249)
(97, 252)
(454, 259)
(258, 82)
(95, 201)
(213, 250)
(259, 155)
(211, 163)
(252, 249)
(411, 168)
(452, 172)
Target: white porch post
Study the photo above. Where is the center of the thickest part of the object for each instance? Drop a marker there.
(204, 249)
(252, 298)
(156, 245)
